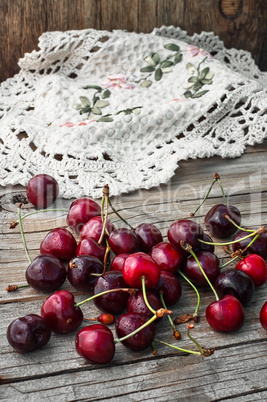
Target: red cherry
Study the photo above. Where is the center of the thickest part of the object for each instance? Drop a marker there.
(185, 230)
(138, 265)
(95, 343)
(167, 257)
(123, 240)
(80, 272)
(118, 262)
(263, 316)
(93, 228)
(225, 315)
(148, 235)
(210, 264)
(136, 303)
(59, 311)
(216, 223)
(254, 266)
(42, 190)
(169, 285)
(60, 243)
(89, 246)
(80, 212)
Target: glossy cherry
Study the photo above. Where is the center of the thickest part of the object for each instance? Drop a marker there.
(28, 333)
(123, 240)
(46, 273)
(128, 323)
(60, 312)
(258, 247)
(89, 246)
(80, 212)
(210, 264)
(113, 302)
(236, 283)
(60, 243)
(93, 228)
(226, 314)
(167, 257)
(170, 287)
(217, 224)
(255, 267)
(185, 230)
(118, 262)
(263, 316)
(206, 247)
(95, 343)
(138, 265)
(80, 272)
(42, 190)
(136, 303)
(148, 235)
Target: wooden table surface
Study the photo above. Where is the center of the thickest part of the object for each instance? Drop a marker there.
(238, 369)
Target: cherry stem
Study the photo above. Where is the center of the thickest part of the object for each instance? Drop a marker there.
(176, 333)
(235, 224)
(176, 347)
(204, 199)
(102, 294)
(229, 262)
(221, 187)
(13, 288)
(113, 209)
(137, 329)
(145, 296)
(234, 241)
(195, 289)
(188, 248)
(15, 223)
(22, 234)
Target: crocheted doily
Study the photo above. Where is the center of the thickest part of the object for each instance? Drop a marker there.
(95, 107)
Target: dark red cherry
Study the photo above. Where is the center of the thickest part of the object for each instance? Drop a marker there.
(206, 247)
(42, 190)
(263, 316)
(28, 333)
(170, 287)
(148, 235)
(136, 303)
(123, 240)
(80, 212)
(225, 315)
(80, 272)
(236, 283)
(138, 265)
(210, 264)
(216, 223)
(89, 246)
(118, 262)
(60, 312)
(258, 247)
(93, 228)
(113, 302)
(95, 344)
(60, 243)
(185, 230)
(167, 257)
(255, 267)
(46, 273)
(128, 323)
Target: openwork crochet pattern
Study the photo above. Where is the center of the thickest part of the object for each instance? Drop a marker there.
(95, 107)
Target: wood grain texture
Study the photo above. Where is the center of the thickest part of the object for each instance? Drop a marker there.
(236, 372)
(240, 24)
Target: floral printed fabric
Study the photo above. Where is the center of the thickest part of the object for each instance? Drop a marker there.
(126, 113)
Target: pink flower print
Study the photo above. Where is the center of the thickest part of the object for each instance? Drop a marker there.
(177, 100)
(118, 81)
(195, 51)
(71, 124)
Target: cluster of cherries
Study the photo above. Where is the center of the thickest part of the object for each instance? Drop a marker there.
(142, 278)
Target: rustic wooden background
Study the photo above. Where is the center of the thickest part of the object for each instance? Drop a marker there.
(240, 23)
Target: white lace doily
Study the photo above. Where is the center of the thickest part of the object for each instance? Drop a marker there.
(95, 107)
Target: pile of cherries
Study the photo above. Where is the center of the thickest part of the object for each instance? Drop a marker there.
(142, 278)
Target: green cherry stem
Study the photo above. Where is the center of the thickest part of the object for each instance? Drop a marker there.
(177, 348)
(233, 241)
(15, 223)
(114, 210)
(22, 234)
(188, 248)
(204, 352)
(145, 296)
(13, 288)
(176, 333)
(238, 227)
(195, 289)
(137, 330)
(204, 199)
(129, 290)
